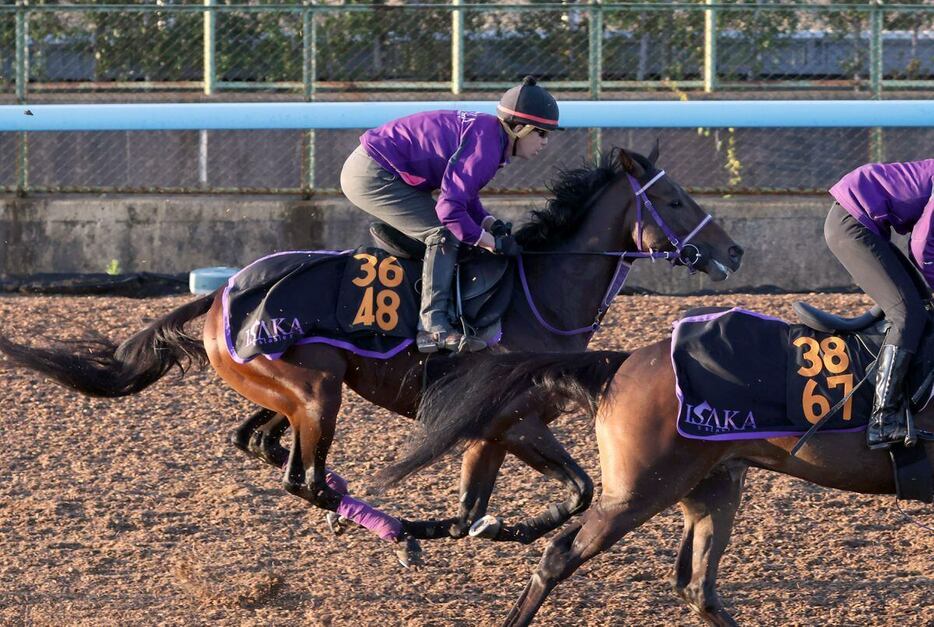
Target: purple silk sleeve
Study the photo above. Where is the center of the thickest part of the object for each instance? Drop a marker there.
(471, 167)
(922, 243)
(476, 210)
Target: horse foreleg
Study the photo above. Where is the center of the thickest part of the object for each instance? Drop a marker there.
(259, 436)
(533, 442)
(709, 511)
(602, 526)
(479, 468)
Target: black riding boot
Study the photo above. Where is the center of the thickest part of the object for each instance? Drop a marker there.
(888, 424)
(434, 326)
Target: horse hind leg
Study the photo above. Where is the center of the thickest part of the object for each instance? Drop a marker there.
(709, 511)
(259, 436)
(313, 423)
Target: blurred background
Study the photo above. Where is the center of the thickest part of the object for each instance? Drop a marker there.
(214, 51)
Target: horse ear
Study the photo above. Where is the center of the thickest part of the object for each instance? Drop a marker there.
(628, 164)
(653, 156)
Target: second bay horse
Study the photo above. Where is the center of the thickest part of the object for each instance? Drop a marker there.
(646, 465)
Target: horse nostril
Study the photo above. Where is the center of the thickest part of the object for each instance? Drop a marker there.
(736, 253)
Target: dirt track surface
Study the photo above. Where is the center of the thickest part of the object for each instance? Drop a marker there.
(138, 511)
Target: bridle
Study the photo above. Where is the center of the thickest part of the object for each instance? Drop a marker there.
(685, 253)
(680, 245)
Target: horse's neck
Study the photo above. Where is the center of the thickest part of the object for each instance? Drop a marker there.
(567, 292)
(568, 289)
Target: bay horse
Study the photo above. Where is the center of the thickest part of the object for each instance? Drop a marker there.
(646, 465)
(596, 213)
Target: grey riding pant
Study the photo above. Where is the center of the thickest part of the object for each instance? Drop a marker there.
(383, 195)
(886, 276)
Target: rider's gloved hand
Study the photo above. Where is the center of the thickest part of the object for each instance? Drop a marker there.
(507, 245)
(487, 241)
(500, 228)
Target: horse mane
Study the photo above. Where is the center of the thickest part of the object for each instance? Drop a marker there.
(571, 198)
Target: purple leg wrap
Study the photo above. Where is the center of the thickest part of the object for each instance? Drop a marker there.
(336, 482)
(383, 525)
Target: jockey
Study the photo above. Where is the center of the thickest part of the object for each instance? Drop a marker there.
(870, 201)
(393, 172)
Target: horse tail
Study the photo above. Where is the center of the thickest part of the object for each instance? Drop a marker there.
(98, 367)
(489, 393)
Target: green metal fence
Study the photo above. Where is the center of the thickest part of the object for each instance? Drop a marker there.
(381, 51)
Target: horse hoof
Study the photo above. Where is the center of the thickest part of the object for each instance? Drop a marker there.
(487, 527)
(409, 552)
(239, 440)
(336, 523)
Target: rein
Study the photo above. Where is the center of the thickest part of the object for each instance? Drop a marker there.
(623, 266)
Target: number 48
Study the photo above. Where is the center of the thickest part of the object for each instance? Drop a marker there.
(383, 308)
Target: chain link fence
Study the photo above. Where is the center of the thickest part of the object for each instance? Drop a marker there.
(347, 51)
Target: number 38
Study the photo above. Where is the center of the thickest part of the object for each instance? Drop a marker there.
(829, 354)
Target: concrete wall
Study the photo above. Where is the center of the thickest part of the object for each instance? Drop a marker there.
(782, 236)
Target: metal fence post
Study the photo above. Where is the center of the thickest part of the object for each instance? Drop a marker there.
(710, 48)
(876, 139)
(22, 79)
(595, 69)
(309, 78)
(210, 83)
(210, 61)
(457, 48)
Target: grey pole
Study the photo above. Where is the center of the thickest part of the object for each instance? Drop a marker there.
(457, 49)
(309, 78)
(710, 48)
(595, 69)
(876, 139)
(210, 84)
(22, 78)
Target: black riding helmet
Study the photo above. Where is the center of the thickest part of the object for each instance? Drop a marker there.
(527, 107)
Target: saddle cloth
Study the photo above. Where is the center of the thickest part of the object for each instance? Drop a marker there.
(742, 375)
(362, 300)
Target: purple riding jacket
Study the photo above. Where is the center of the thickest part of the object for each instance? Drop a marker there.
(884, 196)
(457, 152)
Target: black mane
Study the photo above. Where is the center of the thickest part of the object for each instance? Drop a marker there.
(548, 228)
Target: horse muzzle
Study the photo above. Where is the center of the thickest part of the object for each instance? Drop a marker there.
(716, 269)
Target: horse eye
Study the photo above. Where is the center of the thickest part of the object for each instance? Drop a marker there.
(676, 203)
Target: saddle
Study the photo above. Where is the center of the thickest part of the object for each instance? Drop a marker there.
(910, 466)
(483, 282)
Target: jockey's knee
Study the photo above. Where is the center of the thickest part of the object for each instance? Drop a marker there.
(438, 236)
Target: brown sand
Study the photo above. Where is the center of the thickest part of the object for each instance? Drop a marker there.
(138, 511)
